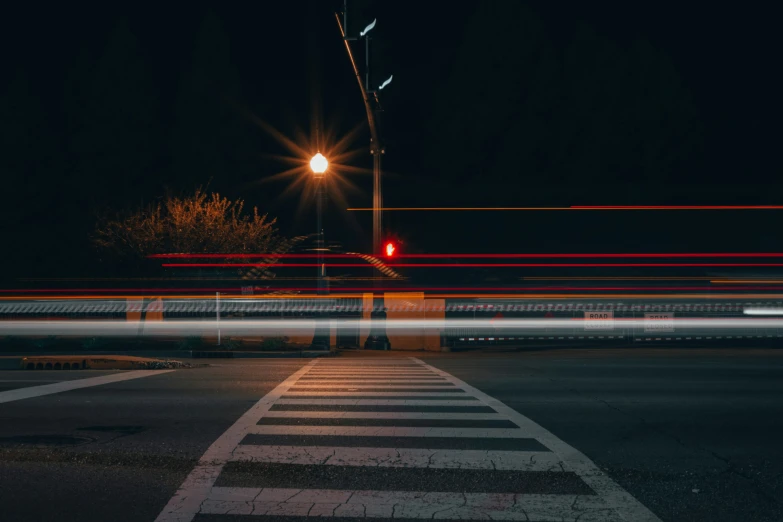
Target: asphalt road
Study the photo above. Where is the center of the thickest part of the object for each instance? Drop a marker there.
(590, 435)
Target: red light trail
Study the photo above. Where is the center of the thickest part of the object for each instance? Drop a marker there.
(401, 289)
(676, 207)
(575, 207)
(469, 265)
(482, 256)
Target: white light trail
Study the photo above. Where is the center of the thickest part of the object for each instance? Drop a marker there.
(763, 311)
(286, 327)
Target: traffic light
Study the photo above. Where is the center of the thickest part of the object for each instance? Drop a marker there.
(390, 249)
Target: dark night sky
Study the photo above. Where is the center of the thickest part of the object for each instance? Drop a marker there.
(499, 103)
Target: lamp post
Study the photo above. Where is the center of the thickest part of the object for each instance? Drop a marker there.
(377, 340)
(319, 164)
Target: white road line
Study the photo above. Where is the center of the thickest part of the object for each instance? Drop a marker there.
(390, 431)
(400, 458)
(573, 460)
(384, 386)
(364, 372)
(185, 503)
(327, 366)
(377, 402)
(435, 415)
(64, 386)
(368, 370)
(405, 504)
(375, 375)
(372, 381)
(410, 369)
(292, 394)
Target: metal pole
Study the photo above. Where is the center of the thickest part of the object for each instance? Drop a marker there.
(377, 338)
(217, 313)
(321, 337)
(377, 203)
(375, 147)
(320, 231)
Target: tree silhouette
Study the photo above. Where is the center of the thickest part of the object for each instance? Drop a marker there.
(201, 223)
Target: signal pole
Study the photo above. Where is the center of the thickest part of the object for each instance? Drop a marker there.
(377, 339)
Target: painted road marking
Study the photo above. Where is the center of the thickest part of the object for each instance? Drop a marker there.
(409, 423)
(344, 368)
(386, 431)
(186, 502)
(406, 504)
(439, 386)
(615, 497)
(378, 402)
(297, 394)
(354, 407)
(383, 415)
(64, 386)
(399, 441)
(412, 457)
(400, 458)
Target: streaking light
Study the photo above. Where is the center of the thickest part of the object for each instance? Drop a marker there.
(763, 311)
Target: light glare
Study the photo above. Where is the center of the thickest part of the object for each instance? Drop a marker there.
(319, 164)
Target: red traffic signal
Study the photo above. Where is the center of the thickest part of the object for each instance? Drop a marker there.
(389, 249)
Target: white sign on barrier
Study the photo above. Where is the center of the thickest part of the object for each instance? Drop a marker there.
(599, 320)
(659, 321)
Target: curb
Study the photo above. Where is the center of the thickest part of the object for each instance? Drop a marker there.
(139, 360)
(90, 362)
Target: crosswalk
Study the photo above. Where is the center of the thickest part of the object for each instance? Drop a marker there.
(392, 439)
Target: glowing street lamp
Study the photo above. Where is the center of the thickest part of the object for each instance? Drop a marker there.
(319, 164)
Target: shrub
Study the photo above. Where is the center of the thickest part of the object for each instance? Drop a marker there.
(273, 343)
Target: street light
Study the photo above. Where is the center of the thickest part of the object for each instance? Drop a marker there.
(377, 338)
(319, 165)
